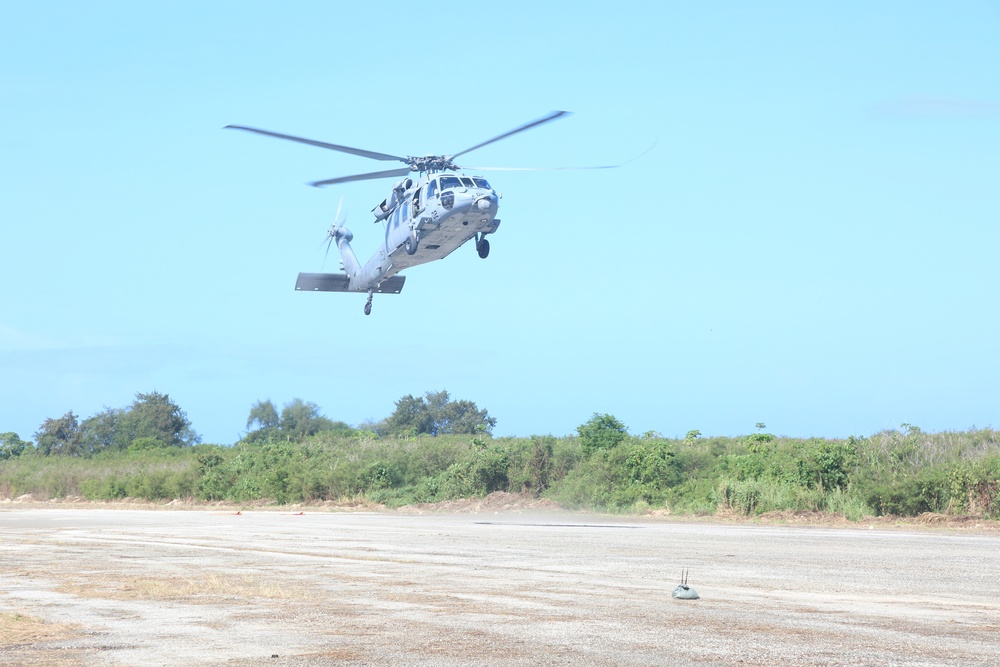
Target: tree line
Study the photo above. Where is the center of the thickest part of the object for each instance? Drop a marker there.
(433, 449)
(153, 421)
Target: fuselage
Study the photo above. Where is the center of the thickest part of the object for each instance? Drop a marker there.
(425, 219)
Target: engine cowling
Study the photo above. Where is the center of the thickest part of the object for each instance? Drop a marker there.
(382, 211)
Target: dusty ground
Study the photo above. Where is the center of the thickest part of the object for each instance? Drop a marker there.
(85, 586)
(500, 501)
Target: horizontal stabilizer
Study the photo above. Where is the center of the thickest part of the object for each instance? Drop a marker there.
(392, 285)
(340, 282)
(322, 282)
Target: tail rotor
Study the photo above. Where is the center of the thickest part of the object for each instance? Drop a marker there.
(336, 229)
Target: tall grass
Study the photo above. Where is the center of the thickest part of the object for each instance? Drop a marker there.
(903, 472)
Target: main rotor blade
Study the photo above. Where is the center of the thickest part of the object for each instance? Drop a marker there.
(534, 123)
(322, 144)
(362, 177)
(607, 166)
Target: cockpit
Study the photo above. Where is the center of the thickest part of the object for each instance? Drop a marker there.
(463, 182)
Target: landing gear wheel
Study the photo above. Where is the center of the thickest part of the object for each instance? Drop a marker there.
(411, 244)
(484, 248)
(368, 308)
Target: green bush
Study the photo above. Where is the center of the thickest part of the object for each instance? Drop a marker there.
(601, 432)
(756, 496)
(974, 486)
(928, 491)
(530, 467)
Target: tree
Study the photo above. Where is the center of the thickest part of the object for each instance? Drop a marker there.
(11, 446)
(464, 417)
(264, 415)
(101, 431)
(300, 419)
(601, 432)
(154, 415)
(436, 414)
(151, 416)
(412, 416)
(60, 436)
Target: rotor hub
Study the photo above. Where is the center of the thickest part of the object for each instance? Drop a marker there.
(431, 163)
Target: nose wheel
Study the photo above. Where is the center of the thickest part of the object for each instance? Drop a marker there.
(483, 247)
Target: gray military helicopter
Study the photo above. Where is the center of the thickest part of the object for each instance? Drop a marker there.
(426, 218)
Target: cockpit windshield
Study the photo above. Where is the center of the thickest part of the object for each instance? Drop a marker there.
(463, 182)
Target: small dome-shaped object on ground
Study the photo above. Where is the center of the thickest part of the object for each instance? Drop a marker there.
(683, 591)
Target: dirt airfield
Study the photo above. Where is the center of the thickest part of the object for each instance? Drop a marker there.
(86, 586)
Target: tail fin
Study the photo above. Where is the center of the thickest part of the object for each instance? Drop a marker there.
(348, 260)
(343, 236)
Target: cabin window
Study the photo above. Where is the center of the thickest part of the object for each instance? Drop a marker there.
(450, 182)
(432, 189)
(481, 182)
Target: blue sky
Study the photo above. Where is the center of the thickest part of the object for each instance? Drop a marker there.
(811, 243)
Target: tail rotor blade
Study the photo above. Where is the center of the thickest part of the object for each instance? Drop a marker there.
(331, 233)
(329, 242)
(340, 205)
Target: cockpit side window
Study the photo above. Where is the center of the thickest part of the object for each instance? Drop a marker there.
(450, 182)
(432, 189)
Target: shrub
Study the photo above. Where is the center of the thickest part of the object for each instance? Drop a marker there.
(601, 432)
(928, 491)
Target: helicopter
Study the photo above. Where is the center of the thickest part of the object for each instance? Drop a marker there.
(426, 217)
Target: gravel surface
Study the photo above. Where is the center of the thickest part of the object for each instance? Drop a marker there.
(126, 587)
